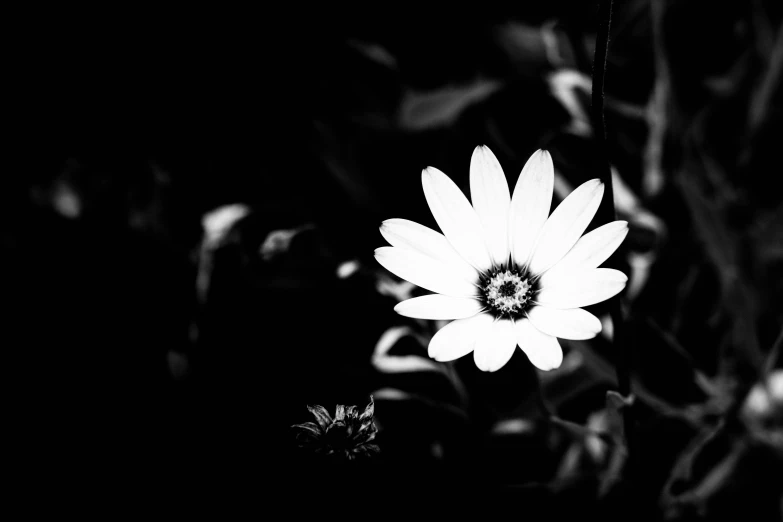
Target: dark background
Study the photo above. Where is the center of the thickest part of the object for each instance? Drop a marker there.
(128, 379)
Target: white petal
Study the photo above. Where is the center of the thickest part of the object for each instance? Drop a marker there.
(424, 271)
(566, 224)
(543, 350)
(458, 337)
(530, 204)
(573, 323)
(496, 346)
(439, 307)
(408, 234)
(591, 250)
(582, 289)
(491, 201)
(455, 217)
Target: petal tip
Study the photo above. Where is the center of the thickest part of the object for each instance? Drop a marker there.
(542, 155)
(431, 177)
(597, 187)
(397, 309)
(483, 158)
(483, 149)
(540, 166)
(620, 226)
(429, 172)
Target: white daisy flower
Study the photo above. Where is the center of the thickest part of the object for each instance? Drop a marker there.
(506, 271)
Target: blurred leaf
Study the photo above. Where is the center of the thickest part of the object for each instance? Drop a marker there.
(394, 394)
(216, 225)
(765, 400)
(580, 432)
(572, 89)
(717, 479)
(348, 268)
(699, 377)
(615, 406)
(767, 86)
(571, 380)
(178, 364)
(766, 239)
(598, 447)
(375, 52)
(682, 471)
(717, 240)
(570, 463)
(722, 247)
(629, 206)
(774, 354)
(385, 363)
(438, 108)
(66, 200)
(399, 289)
(654, 177)
(403, 364)
(515, 426)
(278, 242)
(767, 235)
(599, 367)
(532, 49)
(646, 235)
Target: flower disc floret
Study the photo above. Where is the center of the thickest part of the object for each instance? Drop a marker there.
(506, 292)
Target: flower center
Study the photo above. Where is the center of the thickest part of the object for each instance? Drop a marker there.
(507, 292)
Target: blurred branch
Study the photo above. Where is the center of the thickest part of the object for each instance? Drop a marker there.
(602, 368)
(394, 394)
(656, 109)
(683, 468)
(760, 102)
(582, 432)
(441, 107)
(773, 355)
(722, 247)
(671, 342)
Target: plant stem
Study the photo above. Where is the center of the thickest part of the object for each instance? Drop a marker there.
(606, 212)
(597, 113)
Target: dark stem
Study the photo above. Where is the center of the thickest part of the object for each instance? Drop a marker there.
(599, 74)
(606, 211)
